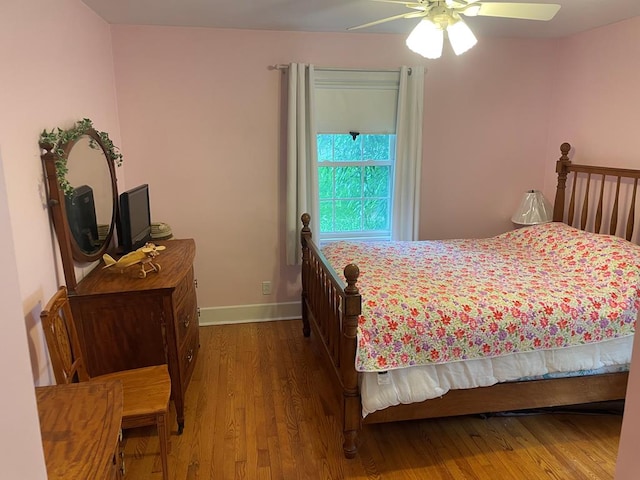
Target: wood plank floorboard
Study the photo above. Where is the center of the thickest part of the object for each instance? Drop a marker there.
(259, 406)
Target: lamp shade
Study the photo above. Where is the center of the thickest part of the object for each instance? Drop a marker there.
(426, 39)
(461, 37)
(533, 209)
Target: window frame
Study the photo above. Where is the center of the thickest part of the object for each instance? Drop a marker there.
(366, 235)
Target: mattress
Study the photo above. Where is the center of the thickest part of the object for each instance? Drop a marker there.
(380, 390)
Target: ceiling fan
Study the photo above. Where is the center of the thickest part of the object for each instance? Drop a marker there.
(438, 16)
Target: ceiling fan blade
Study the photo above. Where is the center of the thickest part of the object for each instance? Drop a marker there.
(525, 11)
(388, 19)
(404, 2)
(421, 6)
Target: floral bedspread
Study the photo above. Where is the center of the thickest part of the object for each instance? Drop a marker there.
(542, 287)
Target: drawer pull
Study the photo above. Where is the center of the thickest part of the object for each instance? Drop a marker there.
(190, 355)
(198, 312)
(195, 282)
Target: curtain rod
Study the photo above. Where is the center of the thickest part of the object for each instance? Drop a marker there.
(284, 66)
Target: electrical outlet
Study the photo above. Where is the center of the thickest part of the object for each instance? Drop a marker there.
(266, 287)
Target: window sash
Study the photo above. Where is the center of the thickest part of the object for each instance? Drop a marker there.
(368, 201)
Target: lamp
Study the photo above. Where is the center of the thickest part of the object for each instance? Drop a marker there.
(533, 209)
(427, 38)
(461, 37)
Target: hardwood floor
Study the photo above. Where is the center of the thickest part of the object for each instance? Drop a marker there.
(259, 406)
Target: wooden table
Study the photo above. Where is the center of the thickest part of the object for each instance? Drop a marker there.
(80, 428)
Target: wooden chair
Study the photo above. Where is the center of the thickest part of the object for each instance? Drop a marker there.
(146, 391)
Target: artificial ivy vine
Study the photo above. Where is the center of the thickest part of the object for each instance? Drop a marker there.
(58, 138)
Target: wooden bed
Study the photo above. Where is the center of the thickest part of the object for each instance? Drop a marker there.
(331, 309)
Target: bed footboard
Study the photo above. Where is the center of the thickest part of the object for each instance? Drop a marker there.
(331, 309)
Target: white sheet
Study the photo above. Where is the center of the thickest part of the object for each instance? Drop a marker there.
(416, 384)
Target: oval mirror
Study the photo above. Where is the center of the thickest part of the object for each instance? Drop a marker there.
(90, 205)
(82, 193)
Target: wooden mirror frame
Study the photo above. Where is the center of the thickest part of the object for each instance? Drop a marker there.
(70, 251)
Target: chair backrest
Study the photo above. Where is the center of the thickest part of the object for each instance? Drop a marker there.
(62, 340)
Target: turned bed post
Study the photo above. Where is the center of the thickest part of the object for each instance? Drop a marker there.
(351, 392)
(562, 169)
(305, 236)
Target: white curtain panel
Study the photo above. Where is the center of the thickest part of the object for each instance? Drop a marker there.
(406, 192)
(302, 173)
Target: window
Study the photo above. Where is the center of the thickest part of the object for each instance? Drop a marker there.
(355, 170)
(355, 177)
(323, 106)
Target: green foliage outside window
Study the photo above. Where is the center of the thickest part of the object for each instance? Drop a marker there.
(355, 183)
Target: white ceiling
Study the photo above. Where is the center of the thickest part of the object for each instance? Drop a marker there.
(337, 15)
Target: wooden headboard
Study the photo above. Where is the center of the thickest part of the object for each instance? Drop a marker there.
(615, 190)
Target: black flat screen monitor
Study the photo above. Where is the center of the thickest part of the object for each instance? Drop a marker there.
(135, 218)
(81, 216)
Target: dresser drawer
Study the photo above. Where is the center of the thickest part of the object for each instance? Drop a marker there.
(188, 354)
(186, 316)
(185, 286)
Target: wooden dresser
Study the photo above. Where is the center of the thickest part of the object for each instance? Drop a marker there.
(126, 322)
(80, 428)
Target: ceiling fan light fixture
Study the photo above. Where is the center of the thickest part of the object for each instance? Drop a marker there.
(461, 37)
(426, 39)
(440, 16)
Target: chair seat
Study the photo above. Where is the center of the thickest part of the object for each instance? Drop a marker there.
(147, 390)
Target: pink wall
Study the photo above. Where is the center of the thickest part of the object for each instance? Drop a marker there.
(596, 100)
(200, 113)
(597, 109)
(486, 116)
(57, 68)
(48, 85)
(20, 449)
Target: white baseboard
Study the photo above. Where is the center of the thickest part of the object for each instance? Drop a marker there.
(266, 312)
